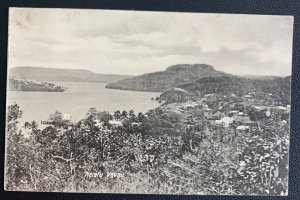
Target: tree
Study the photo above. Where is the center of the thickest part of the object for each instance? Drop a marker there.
(105, 117)
(132, 116)
(124, 115)
(117, 115)
(140, 117)
(14, 113)
(57, 119)
(92, 113)
(16, 157)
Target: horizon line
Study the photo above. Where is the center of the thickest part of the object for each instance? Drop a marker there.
(55, 68)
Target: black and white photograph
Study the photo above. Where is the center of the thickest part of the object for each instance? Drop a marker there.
(148, 102)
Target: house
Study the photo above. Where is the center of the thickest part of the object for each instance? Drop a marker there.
(216, 116)
(280, 108)
(240, 114)
(135, 124)
(115, 123)
(244, 120)
(212, 96)
(66, 117)
(226, 121)
(234, 112)
(258, 107)
(242, 128)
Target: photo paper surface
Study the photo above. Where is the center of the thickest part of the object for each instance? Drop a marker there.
(137, 102)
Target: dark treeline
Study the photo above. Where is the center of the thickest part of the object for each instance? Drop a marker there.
(280, 88)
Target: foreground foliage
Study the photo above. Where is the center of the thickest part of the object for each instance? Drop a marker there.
(157, 153)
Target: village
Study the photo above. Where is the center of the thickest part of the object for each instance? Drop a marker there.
(242, 112)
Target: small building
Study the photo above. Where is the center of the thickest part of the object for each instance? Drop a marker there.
(66, 117)
(216, 116)
(115, 123)
(212, 96)
(281, 108)
(226, 121)
(135, 124)
(242, 128)
(244, 120)
(240, 114)
(258, 107)
(234, 112)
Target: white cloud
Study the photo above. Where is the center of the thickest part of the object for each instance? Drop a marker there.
(130, 42)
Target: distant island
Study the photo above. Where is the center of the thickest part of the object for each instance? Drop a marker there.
(25, 85)
(63, 75)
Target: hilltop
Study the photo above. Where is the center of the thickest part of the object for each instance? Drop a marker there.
(164, 80)
(67, 75)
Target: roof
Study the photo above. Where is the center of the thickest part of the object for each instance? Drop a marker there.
(281, 108)
(217, 113)
(240, 114)
(115, 122)
(243, 119)
(210, 95)
(242, 127)
(226, 121)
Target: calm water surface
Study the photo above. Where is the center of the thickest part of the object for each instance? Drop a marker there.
(78, 99)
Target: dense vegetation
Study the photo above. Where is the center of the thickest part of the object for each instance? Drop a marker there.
(24, 85)
(279, 88)
(156, 152)
(165, 80)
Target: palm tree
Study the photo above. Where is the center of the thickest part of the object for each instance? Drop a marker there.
(117, 115)
(124, 114)
(34, 125)
(132, 115)
(27, 125)
(140, 116)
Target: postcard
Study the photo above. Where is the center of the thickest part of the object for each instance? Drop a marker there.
(139, 102)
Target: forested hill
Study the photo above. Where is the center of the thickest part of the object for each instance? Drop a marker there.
(165, 80)
(66, 75)
(225, 85)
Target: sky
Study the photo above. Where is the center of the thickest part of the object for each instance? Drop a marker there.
(138, 42)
